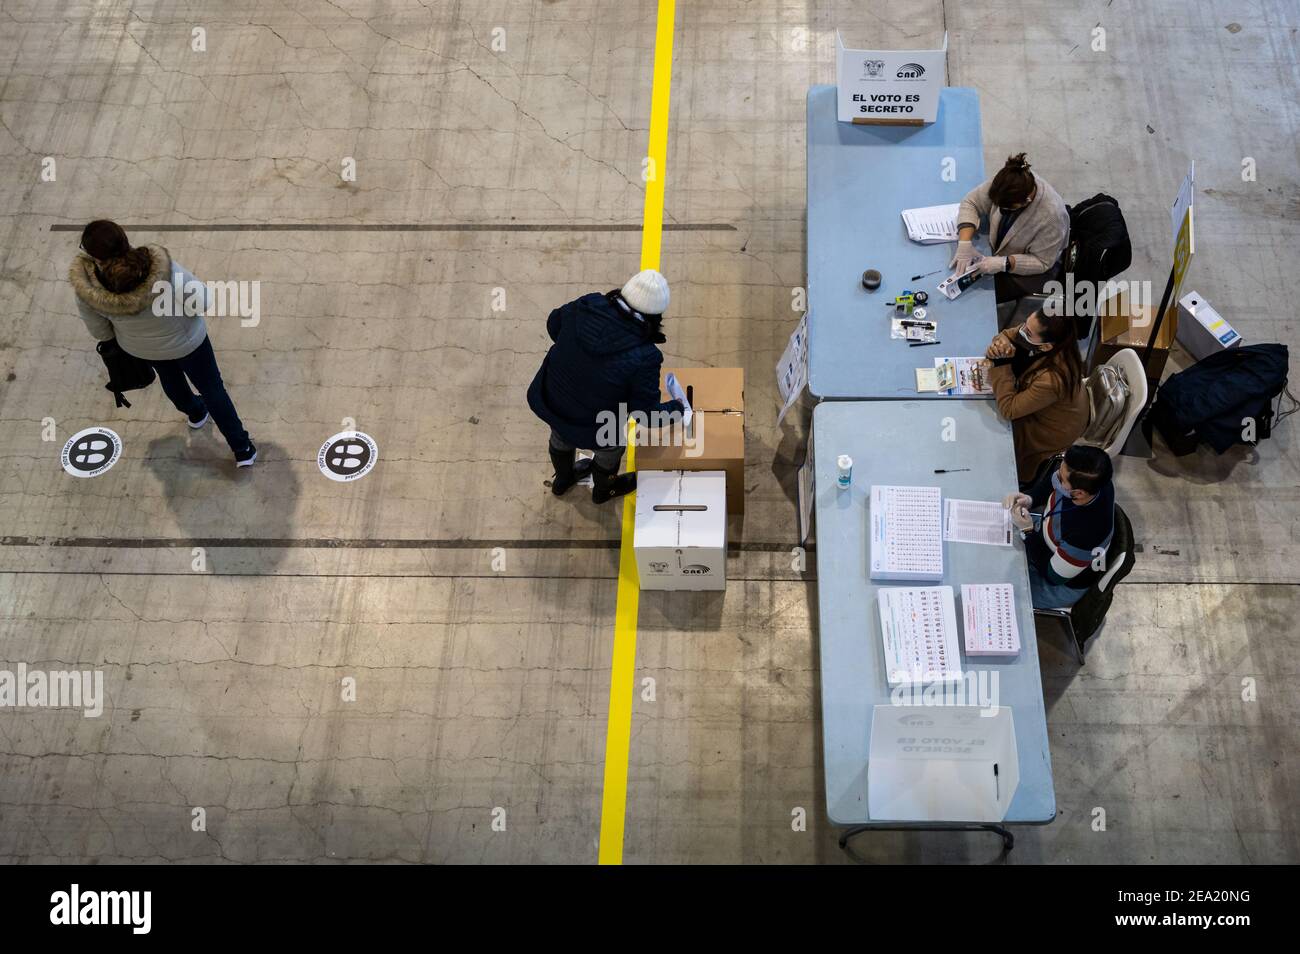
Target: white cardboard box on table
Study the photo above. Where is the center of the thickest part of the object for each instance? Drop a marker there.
(680, 539)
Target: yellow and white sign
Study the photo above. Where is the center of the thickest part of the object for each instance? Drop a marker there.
(1182, 219)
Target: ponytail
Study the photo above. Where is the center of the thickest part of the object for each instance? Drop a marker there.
(1013, 184)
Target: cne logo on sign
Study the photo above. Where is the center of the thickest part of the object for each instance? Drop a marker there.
(910, 71)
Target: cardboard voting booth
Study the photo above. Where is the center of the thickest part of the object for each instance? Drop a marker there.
(716, 438)
(1127, 325)
(680, 538)
(942, 763)
(1202, 330)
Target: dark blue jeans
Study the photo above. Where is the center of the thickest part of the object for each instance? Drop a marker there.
(200, 366)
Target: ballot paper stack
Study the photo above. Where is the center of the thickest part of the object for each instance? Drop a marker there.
(932, 225)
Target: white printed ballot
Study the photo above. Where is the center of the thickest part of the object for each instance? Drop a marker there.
(989, 613)
(942, 763)
(918, 629)
(676, 391)
(976, 521)
(959, 376)
(906, 534)
(932, 225)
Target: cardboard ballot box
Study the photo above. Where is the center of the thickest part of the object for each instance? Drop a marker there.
(941, 763)
(716, 438)
(680, 538)
(1124, 325)
(1202, 330)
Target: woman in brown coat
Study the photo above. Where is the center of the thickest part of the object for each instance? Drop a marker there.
(1037, 379)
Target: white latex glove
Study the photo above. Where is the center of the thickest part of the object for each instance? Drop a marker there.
(964, 255)
(1013, 500)
(992, 264)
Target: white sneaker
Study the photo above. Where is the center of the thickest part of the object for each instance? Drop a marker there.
(197, 424)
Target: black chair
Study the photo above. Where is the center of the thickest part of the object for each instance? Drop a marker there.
(1018, 311)
(1084, 618)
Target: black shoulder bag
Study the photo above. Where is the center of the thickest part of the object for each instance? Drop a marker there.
(126, 372)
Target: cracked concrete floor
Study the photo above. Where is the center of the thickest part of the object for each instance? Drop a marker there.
(480, 687)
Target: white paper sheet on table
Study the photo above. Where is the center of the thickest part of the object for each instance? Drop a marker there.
(927, 380)
(964, 375)
(932, 225)
(976, 521)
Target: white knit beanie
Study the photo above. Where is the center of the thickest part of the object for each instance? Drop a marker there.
(647, 292)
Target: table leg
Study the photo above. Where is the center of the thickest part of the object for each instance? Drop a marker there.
(1008, 839)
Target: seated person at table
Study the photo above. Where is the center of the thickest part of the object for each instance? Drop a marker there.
(1037, 380)
(1028, 230)
(1069, 530)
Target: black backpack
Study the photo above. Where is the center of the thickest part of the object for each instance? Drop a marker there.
(126, 372)
(1215, 400)
(1099, 245)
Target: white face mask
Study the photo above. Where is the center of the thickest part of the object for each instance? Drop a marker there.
(1032, 347)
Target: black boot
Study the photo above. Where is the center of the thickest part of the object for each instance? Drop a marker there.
(567, 473)
(609, 484)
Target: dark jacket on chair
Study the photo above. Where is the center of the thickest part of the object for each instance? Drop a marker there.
(602, 358)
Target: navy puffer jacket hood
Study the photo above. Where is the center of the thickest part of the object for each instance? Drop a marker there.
(602, 358)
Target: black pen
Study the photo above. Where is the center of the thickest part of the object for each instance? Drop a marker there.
(955, 470)
(922, 344)
(917, 278)
(997, 786)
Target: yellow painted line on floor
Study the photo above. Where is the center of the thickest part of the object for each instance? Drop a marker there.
(618, 731)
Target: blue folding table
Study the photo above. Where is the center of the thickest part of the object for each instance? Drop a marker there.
(860, 178)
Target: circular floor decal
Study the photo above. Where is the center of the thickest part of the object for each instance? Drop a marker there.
(348, 455)
(90, 452)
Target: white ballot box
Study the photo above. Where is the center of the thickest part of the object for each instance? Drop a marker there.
(941, 763)
(1202, 330)
(680, 539)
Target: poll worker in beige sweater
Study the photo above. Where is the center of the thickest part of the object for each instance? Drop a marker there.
(1037, 380)
(1029, 227)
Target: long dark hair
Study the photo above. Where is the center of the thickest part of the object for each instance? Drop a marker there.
(118, 266)
(649, 325)
(1058, 331)
(1013, 184)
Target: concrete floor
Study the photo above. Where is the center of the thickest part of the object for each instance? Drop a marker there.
(480, 689)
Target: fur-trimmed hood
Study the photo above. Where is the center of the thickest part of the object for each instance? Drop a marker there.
(87, 287)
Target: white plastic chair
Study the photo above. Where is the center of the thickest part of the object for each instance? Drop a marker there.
(1129, 364)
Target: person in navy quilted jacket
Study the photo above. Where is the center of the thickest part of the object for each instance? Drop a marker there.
(603, 367)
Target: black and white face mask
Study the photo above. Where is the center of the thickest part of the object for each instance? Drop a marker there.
(1022, 342)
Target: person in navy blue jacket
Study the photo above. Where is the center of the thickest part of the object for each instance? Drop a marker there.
(1067, 538)
(603, 367)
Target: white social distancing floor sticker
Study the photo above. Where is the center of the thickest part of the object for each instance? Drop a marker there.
(91, 452)
(348, 455)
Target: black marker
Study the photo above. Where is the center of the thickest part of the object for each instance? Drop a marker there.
(922, 344)
(955, 470)
(917, 278)
(997, 786)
